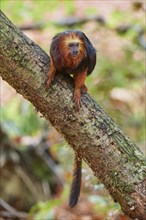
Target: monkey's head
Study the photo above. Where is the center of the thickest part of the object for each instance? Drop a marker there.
(74, 44)
(69, 48)
(69, 44)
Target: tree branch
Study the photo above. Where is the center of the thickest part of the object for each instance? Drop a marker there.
(113, 157)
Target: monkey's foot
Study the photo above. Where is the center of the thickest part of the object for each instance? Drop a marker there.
(84, 89)
(77, 97)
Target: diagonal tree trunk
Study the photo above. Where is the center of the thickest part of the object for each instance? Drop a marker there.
(113, 157)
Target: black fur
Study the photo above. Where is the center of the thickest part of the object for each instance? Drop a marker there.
(76, 183)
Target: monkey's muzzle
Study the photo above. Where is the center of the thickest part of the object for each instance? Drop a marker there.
(75, 53)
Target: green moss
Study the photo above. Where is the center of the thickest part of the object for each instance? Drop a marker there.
(122, 186)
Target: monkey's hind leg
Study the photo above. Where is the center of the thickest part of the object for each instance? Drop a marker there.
(51, 72)
(76, 182)
(79, 86)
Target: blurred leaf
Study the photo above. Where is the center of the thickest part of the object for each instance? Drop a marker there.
(117, 17)
(70, 7)
(19, 118)
(91, 11)
(45, 210)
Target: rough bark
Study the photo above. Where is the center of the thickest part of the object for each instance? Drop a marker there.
(113, 157)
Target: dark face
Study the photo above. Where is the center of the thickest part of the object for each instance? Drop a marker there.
(74, 48)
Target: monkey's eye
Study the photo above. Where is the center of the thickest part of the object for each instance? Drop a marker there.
(70, 44)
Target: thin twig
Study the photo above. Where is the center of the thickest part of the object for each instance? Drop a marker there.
(10, 211)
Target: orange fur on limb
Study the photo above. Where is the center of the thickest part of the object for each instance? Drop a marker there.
(72, 52)
(79, 84)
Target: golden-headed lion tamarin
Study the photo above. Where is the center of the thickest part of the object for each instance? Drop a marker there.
(72, 52)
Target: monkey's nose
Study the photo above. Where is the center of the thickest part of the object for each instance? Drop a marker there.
(75, 53)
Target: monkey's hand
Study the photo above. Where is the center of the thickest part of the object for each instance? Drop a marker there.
(77, 97)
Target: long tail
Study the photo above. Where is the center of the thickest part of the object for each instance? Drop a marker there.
(76, 182)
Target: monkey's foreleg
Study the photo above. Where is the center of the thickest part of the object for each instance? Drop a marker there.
(79, 86)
